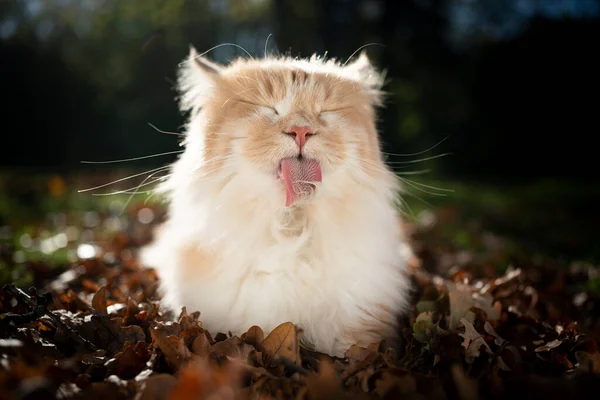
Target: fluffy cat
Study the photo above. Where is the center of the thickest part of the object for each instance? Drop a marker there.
(281, 207)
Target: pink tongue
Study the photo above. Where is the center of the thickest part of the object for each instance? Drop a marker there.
(297, 174)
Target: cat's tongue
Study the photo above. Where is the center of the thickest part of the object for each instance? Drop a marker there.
(297, 174)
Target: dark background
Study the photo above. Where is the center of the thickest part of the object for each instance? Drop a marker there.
(512, 85)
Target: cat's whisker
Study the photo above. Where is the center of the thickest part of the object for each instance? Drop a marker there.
(409, 193)
(134, 158)
(216, 47)
(359, 49)
(152, 193)
(237, 94)
(403, 203)
(127, 191)
(266, 43)
(165, 132)
(396, 173)
(429, 186)
(143, 183)
(419, 172)
(420, 160)
(124, 179)
(417, 153)
(124, 192)
(410, 183)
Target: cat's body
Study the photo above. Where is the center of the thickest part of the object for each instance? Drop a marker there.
(248, 241)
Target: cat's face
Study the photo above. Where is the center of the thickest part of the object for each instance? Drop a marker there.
(297, 121)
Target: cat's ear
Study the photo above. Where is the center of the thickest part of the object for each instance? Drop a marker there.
(362, 70)
(204, 64)
(197, 79)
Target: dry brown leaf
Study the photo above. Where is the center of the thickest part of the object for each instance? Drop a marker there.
(357, 353)
(201, 345)
(109, 334)
(473, 342)
(463, 298)
(130, 362)
(190, 327)
(233, 347)
(99, 300)
(173, 348)
(491, 331)
(549, 346)
(131, 310)
(282, 342)
(254, 336)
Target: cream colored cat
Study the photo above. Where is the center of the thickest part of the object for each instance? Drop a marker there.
(281, 207)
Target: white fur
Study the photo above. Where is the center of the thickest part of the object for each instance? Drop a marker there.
(303, 265)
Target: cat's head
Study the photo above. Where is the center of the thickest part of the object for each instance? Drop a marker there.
(300, 122)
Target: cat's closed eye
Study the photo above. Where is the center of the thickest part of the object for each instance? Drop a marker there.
(262, 107)
(333, 110)
(269, 109)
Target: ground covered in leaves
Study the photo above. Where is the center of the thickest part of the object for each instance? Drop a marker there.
(486, 323)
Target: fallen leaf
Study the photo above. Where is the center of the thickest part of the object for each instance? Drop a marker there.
(201, 346)
(99, 300)
(473, 342)
(358, 353)
(549, 346)
(111, 335)
(172, 347)
(254, 336)
(463, 298)
(131, 361)
(424, 328)
(233, 347)
(282, 342)
(490, 330)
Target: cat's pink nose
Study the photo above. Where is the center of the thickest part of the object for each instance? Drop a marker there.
(301, 134)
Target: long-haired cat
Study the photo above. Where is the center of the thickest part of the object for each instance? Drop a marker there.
(281, 207)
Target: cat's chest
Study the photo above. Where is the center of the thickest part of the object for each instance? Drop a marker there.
(289, 243)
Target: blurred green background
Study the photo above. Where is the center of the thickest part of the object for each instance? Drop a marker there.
(510, 85)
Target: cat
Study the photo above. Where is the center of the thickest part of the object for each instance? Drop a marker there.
(281, 207)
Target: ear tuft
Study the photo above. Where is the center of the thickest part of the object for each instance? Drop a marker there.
(197, 77)
(204, 63)
(365, 73)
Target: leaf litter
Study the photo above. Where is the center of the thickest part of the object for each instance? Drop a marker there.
(98, 331)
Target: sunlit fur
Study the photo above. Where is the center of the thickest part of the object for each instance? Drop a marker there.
(334, 262)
